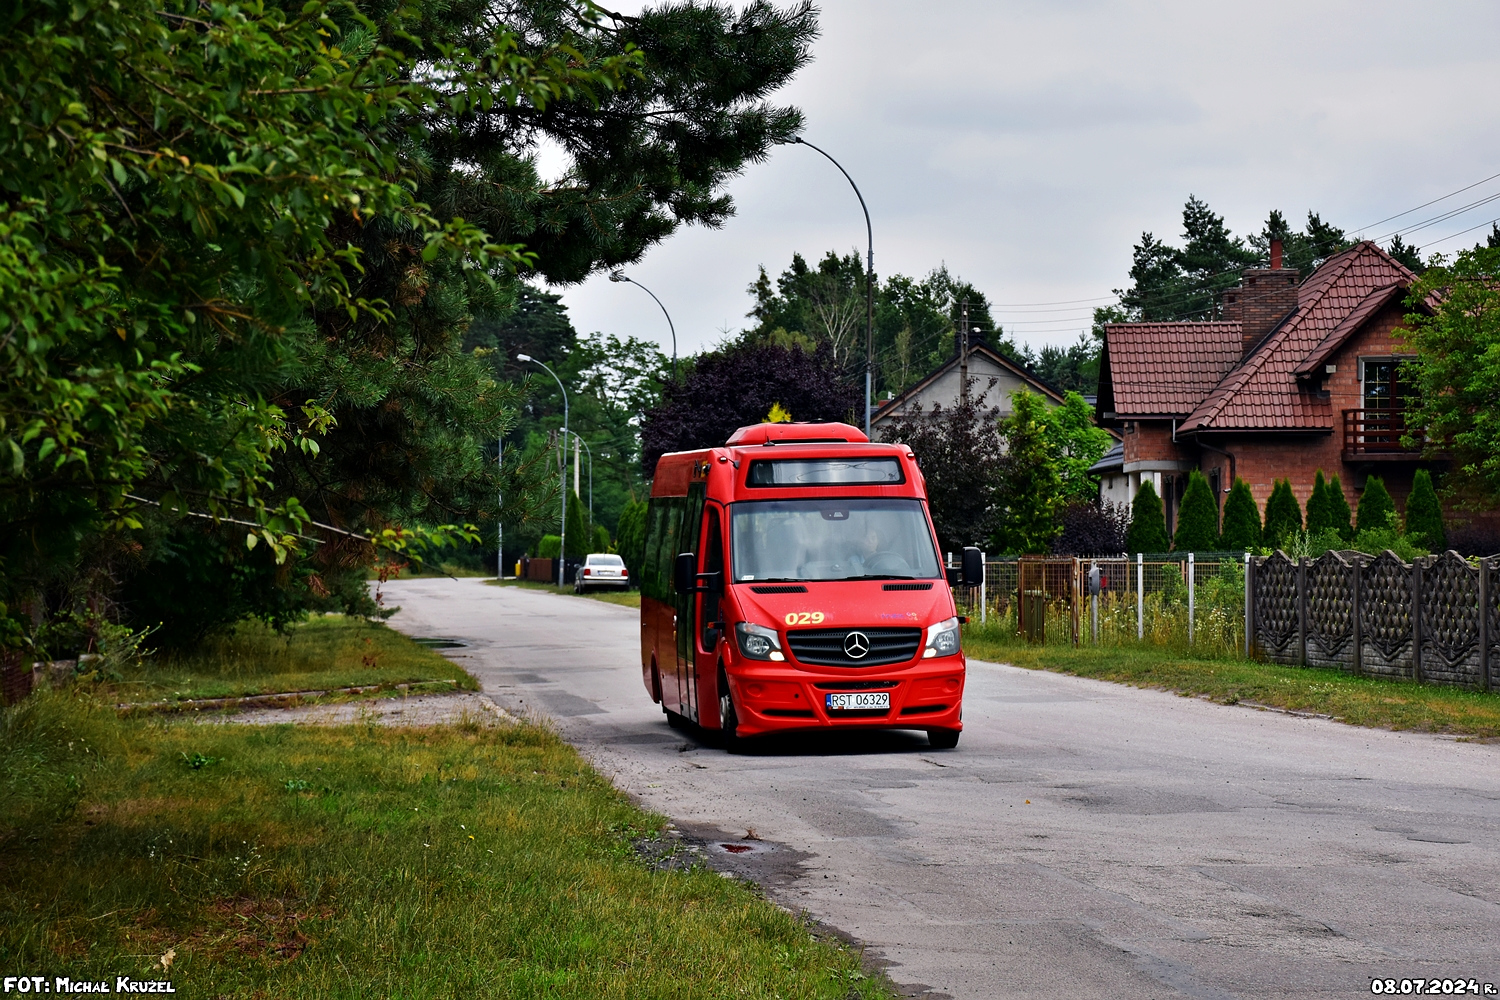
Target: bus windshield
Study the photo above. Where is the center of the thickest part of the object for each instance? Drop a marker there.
(843, 539)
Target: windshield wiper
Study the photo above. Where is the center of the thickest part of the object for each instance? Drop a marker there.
(880, 576)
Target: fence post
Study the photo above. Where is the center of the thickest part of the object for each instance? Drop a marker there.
(1140, 596)
(1249, 605)
(1416, 619)
(1074, 612)
(1302, 611)
(1484, 624)
(1094, 602)
(1357, 593)
(1192, 579)
(984, 578)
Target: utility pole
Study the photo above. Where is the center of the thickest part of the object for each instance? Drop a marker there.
(562, 470)
(500, 511)
(963, 355)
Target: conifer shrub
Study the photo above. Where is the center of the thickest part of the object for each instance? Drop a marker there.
(1424, 515)
(1198, 521)
(1241, 519)
(1377, 511)
(1283, 516)
(1340, 518)
(1319, 517)
(1148, 524)
(579, 535)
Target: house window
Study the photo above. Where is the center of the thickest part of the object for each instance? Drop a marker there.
(1384, 385)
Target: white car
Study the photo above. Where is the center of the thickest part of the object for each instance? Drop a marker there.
(601, 569)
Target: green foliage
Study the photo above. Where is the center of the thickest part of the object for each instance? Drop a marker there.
(1076, 445)
(1374, 541)
(1028, 501)
(630, 536)
(1319, 516)
(1198, 519)
(959, 450)
(1148, 522)
(1377, 511)
(1454, 324)
(1241, 519)
(1339, 516)
(601, 542)
(1283, 516)
(549, 547)
(1424, 515)
(579, 535)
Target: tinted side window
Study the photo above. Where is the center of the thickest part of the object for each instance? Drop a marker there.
(650, 571)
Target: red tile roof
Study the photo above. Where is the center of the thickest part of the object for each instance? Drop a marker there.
(1262, 392)
(1195, 370)
(1165, 369)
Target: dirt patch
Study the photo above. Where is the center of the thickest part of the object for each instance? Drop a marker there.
(462, 708)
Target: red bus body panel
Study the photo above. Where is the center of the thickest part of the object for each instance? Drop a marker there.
(774, 696)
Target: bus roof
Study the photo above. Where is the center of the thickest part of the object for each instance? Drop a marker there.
(829, 433)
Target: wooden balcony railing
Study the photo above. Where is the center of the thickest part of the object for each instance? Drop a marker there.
(1376, 434)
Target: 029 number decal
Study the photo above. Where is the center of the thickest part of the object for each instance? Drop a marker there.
(804, 618)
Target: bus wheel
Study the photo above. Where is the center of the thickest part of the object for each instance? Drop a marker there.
(728, 721)
(942, 739)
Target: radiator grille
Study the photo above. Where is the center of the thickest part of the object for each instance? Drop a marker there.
(824, 647)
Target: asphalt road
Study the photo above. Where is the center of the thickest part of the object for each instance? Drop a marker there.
(1084, 840)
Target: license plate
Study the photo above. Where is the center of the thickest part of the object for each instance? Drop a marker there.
(845, 700)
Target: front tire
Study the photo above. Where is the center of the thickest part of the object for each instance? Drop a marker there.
(728, 720)
(942, 739)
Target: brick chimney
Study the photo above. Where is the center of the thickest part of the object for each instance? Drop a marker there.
(1265, 297)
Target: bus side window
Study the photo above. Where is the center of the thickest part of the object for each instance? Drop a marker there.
(650, 577)
(667, 554)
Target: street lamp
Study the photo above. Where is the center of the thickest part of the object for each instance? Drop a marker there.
(869, 279)
(621, 276)
(562, 471)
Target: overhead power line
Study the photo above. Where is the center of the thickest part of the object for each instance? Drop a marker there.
(1424, 204)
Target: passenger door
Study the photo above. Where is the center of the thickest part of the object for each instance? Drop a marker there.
(683, 606)
(710, 561)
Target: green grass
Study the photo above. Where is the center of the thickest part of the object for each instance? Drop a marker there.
(624, 598)
(322, 653)
(458, 861)
(1359, 701)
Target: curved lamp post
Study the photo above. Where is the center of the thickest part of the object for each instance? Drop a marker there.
(621, 276)
(562, 554)
(869, 278)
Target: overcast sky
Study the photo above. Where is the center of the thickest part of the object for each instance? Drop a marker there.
(1028, 145)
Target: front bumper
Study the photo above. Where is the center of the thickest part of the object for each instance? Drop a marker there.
(776, 697)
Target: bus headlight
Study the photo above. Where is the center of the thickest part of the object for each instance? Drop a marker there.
(758, 642)
(942, 639)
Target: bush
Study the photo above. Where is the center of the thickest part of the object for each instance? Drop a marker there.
(1283, 516)
(1377, 511)
(1319, 516)
(1198, 521)
(1241, 519)
(1339, 516)
(1424, 515)
(1148, 525)
(549, 547)
(1092, 529)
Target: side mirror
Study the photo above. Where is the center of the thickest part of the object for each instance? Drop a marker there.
(973, 566)
(685, 573)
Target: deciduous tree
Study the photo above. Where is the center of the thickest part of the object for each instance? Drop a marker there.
(1029, 498)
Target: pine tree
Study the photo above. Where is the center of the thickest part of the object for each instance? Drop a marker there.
(1377, 511)
(1241, 519)
(1319, 517)
(1148, 525)
(1283, 515)
(579, 536)
(1338, 510)
(1424, 515)
(1198, 521)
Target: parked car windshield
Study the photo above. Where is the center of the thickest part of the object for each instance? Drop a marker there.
(843, 539)
(605, 560)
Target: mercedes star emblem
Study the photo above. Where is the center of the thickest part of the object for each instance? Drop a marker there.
(856, 645)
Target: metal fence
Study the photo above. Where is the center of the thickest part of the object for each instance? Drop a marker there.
(1184, 600)
(1434, 620)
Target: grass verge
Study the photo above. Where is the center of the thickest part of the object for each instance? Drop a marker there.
(624, 598)
(323, 653)
(1359, 701)
(468, 860)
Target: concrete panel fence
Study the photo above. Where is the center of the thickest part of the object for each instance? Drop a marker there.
(1435, 620)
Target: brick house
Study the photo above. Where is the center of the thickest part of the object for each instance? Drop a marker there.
(1296, 377)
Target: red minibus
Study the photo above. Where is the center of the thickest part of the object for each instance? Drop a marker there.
(792, 581)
